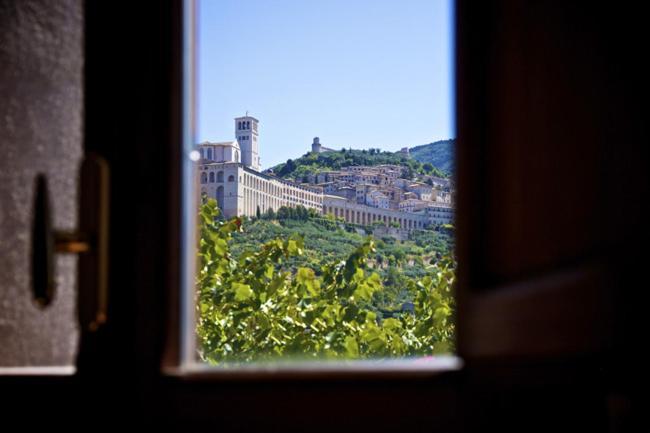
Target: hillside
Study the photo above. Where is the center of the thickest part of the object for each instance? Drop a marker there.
(312, 163)
(327, 241)
(440, 154)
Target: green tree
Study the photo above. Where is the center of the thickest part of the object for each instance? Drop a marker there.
(256, 308)
(283, 213)
(301, 213)
(288, 168)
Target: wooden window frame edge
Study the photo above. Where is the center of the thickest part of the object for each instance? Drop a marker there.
(175, 360)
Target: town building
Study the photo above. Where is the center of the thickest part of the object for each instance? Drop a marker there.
(412, 205)
(229, 172)
(316, 147)
(360, 214)
(377, 199)
(247, 135)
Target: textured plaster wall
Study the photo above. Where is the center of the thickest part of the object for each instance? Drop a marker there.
(41, 101)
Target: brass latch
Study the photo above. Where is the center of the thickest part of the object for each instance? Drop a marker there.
(90, 242)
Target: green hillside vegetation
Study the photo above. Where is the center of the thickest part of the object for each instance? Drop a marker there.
(440, 154)
(255, 306)
(314, 163)
(327, 240)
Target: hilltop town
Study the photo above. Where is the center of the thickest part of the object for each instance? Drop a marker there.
(390, 194)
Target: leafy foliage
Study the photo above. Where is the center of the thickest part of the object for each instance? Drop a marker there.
(327, 240)
(254, 307)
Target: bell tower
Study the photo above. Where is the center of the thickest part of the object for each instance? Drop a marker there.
(247, 135)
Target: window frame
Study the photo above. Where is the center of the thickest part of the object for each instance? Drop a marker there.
(480, 298)
(184, 366)
(139, 342)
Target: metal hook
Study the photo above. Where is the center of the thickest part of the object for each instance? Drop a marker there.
(90, 242)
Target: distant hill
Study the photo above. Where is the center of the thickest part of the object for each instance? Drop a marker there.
(440, 154)
(313, 163)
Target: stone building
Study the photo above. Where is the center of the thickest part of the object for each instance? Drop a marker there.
(229, 172)
(366, 215)
(316, 147)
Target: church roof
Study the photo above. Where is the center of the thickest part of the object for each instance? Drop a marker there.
(247, 117)
(221, 143)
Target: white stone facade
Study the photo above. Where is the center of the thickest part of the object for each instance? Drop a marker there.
(240, 190)
(366, 215)
(230, 173)
(247, 133)
(412, 205)
(227, 151)
(377, 199)
(439, 214)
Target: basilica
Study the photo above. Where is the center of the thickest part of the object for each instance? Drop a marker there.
(230, 173)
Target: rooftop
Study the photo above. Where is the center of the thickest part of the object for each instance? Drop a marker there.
(233, 143)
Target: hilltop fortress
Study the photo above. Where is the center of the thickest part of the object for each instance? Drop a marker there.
(230, 173)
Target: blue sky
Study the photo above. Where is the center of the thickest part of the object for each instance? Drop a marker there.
(356, 73)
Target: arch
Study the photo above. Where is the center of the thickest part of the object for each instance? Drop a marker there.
(220, 176)
(236, 156)
(220, 197)
(231, 178)
(204, 177)
(212, 177)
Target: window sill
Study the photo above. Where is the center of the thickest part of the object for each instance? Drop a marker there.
(65, 370)
(315, 370)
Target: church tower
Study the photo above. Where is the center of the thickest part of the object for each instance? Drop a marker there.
(247, 135)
